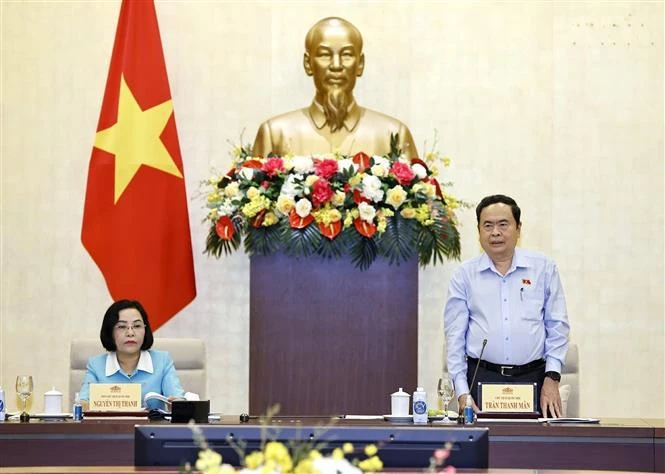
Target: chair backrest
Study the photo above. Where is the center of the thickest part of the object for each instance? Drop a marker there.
(570, 375)
(189, 356)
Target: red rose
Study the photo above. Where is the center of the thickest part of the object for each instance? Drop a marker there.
(402, 172)
(321, 192)
(272, 166)
(326, 168)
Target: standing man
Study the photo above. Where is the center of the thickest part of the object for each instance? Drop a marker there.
(512, 298)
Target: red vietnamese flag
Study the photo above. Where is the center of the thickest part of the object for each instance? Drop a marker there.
(135, 221)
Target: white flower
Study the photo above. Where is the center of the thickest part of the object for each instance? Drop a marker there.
(381, 161)
(346, 164)
(226, 208)
(367, 212)
(419, 170)
(247, 173)
(334, 466)
(372, 188)
(303, 164)
(379, 170)
(290, 187)
(303, 207)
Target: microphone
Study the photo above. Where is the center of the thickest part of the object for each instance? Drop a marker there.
(475, 372)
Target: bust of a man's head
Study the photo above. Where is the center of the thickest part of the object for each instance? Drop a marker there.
(334, 58)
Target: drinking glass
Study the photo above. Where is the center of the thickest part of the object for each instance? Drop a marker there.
(446, 392)
(24, 389)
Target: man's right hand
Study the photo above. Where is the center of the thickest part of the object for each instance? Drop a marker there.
(461, 400)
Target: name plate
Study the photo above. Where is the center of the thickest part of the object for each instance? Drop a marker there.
(115, 396)
(513, 398)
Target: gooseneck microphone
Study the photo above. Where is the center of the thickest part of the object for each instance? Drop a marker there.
(475, 372)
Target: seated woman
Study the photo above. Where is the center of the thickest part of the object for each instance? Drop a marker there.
(127, 337)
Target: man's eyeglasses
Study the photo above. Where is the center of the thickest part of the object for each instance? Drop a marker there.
(122, 327)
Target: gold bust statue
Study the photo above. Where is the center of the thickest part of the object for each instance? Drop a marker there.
(334, 121)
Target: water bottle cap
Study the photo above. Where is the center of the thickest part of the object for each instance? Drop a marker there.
(420, 389)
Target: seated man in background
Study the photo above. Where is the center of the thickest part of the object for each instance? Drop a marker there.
(127, 337)
(512, 298)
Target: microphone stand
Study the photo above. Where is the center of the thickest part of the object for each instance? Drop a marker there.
(473, 379)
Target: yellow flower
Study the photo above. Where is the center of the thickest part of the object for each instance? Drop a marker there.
(311, 179)
(371, 450)
(288, 163)
(446, 161)
(254, 460)
(255, 206)
(285, 204)
(277, 453)
(214, 196)
(427, 188)
(423, 214)
(347, 448)
(270, 219)
(338, 198)
(338, 454)
(212, 215)
(408, 213)
(372, 464)
(315, 454)
(305, 467)
(231, 190)
(356, 179)
(451, 202)
(208, 461)
(396, 196)
(327, 215)
(381, 225)
(253, 193)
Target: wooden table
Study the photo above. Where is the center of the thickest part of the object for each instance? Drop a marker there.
(614, 444)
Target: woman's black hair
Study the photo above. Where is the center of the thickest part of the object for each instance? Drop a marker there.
(111, 318)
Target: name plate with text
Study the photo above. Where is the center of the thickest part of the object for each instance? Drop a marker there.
(115, 396)
(508, 398)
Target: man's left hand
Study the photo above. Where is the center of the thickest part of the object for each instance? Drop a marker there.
(550, 400)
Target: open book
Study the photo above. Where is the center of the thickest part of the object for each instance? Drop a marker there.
(158, 396)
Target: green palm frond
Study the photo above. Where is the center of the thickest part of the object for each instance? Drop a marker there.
(216, 246)
(397, 242)
(363, 251)
(263, 240)
(301, 242)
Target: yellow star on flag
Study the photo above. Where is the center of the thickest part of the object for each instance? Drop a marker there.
(135, 139)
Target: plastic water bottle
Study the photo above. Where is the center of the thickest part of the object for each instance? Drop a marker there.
(3, 409)
(469, 415)
(420, 406)
(77, 409)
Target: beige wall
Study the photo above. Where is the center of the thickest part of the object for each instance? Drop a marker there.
(557, 104)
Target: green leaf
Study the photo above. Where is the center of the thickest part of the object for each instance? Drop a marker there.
(398, 242)
(263, 240)
(334, 248)
(302, 242)
(215, 246)
(363, 251)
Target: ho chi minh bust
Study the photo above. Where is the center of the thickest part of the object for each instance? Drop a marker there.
(334, 121)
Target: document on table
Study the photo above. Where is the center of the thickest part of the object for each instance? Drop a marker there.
(568, 420)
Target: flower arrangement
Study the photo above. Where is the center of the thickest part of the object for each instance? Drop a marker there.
(303, 457)
(333, 204)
